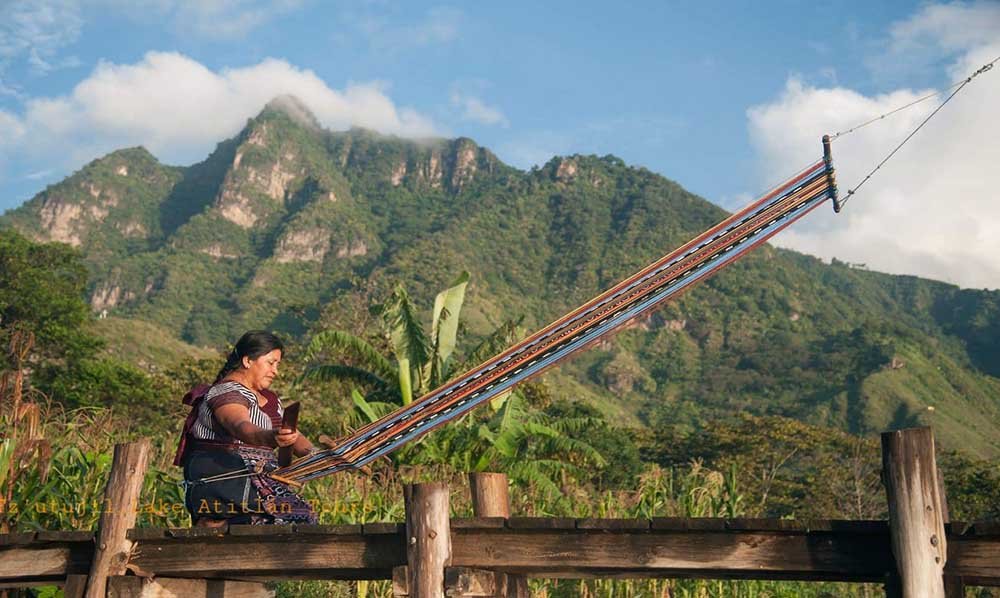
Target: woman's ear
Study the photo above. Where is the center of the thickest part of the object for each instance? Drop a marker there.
(246, 362)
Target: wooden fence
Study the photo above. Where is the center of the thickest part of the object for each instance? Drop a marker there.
(916, 553)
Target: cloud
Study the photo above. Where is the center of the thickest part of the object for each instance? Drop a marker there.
(11, 129)
(37, 30)
(933, 209)
(955, 27)
(476, 110)
(180, 109)
(207, 18)
(934, 35)
(439, 25)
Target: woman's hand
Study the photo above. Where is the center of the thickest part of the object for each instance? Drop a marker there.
(285, 437)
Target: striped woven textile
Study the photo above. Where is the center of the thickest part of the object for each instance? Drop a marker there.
(664, 279)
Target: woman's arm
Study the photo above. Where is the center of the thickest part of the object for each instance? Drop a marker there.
(235, 418)
(302, 446)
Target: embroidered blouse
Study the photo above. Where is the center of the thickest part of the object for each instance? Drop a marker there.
(206, 427)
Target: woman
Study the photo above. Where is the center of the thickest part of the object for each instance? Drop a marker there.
(229, 440)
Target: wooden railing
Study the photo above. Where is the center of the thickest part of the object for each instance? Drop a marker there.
(914, 554)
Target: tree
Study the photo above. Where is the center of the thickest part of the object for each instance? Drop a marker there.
(42, 292)
(42, 298)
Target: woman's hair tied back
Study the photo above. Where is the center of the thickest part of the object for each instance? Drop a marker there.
(252, 344)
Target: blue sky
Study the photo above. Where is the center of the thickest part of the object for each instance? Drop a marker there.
(721, 97)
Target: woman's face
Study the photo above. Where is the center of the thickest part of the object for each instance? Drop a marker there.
(262, 371)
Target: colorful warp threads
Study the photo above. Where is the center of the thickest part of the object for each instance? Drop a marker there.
(664, 279)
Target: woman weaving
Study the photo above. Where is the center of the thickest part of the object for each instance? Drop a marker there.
(229, 440)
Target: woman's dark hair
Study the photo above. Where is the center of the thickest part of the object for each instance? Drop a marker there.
(252, 344)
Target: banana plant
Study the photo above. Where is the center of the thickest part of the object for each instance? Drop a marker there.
(423, 361)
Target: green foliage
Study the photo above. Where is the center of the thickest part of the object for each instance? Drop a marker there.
(794, 469)
(102, 381)
(972, 487)
(616, 445)
(41, 291)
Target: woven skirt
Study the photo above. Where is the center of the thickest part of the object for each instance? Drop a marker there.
(247, 496)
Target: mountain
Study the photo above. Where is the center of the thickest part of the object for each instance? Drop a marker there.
(291, 227)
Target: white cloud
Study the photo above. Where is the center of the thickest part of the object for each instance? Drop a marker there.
(37, 30)
(476, 110)
(11, 129)
(206, 18)
(954, 27)
(933, 209)
(439, 25)
(933, 35)
(179, 109)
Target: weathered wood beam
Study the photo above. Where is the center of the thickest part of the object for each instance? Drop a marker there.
(127, 586)
(746, 555)
(916, 511)
(45, 561)
(315, 556)
(974, 557)
(844, 555)
(121, 497)
(705, 548)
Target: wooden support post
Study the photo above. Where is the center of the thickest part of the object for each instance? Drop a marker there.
(916, 515)
(75, 586)
(490, 498)
(121, 497)
(428, 539)
(954, 586)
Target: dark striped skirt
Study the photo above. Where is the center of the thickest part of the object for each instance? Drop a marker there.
(247, 499)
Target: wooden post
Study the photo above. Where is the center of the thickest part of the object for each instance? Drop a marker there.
(489, 495)
(121, 497)
(428, 538)
(490, 498)
(75, 586)
(916, 514)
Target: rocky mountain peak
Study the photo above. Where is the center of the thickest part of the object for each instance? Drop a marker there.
(292, 107)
